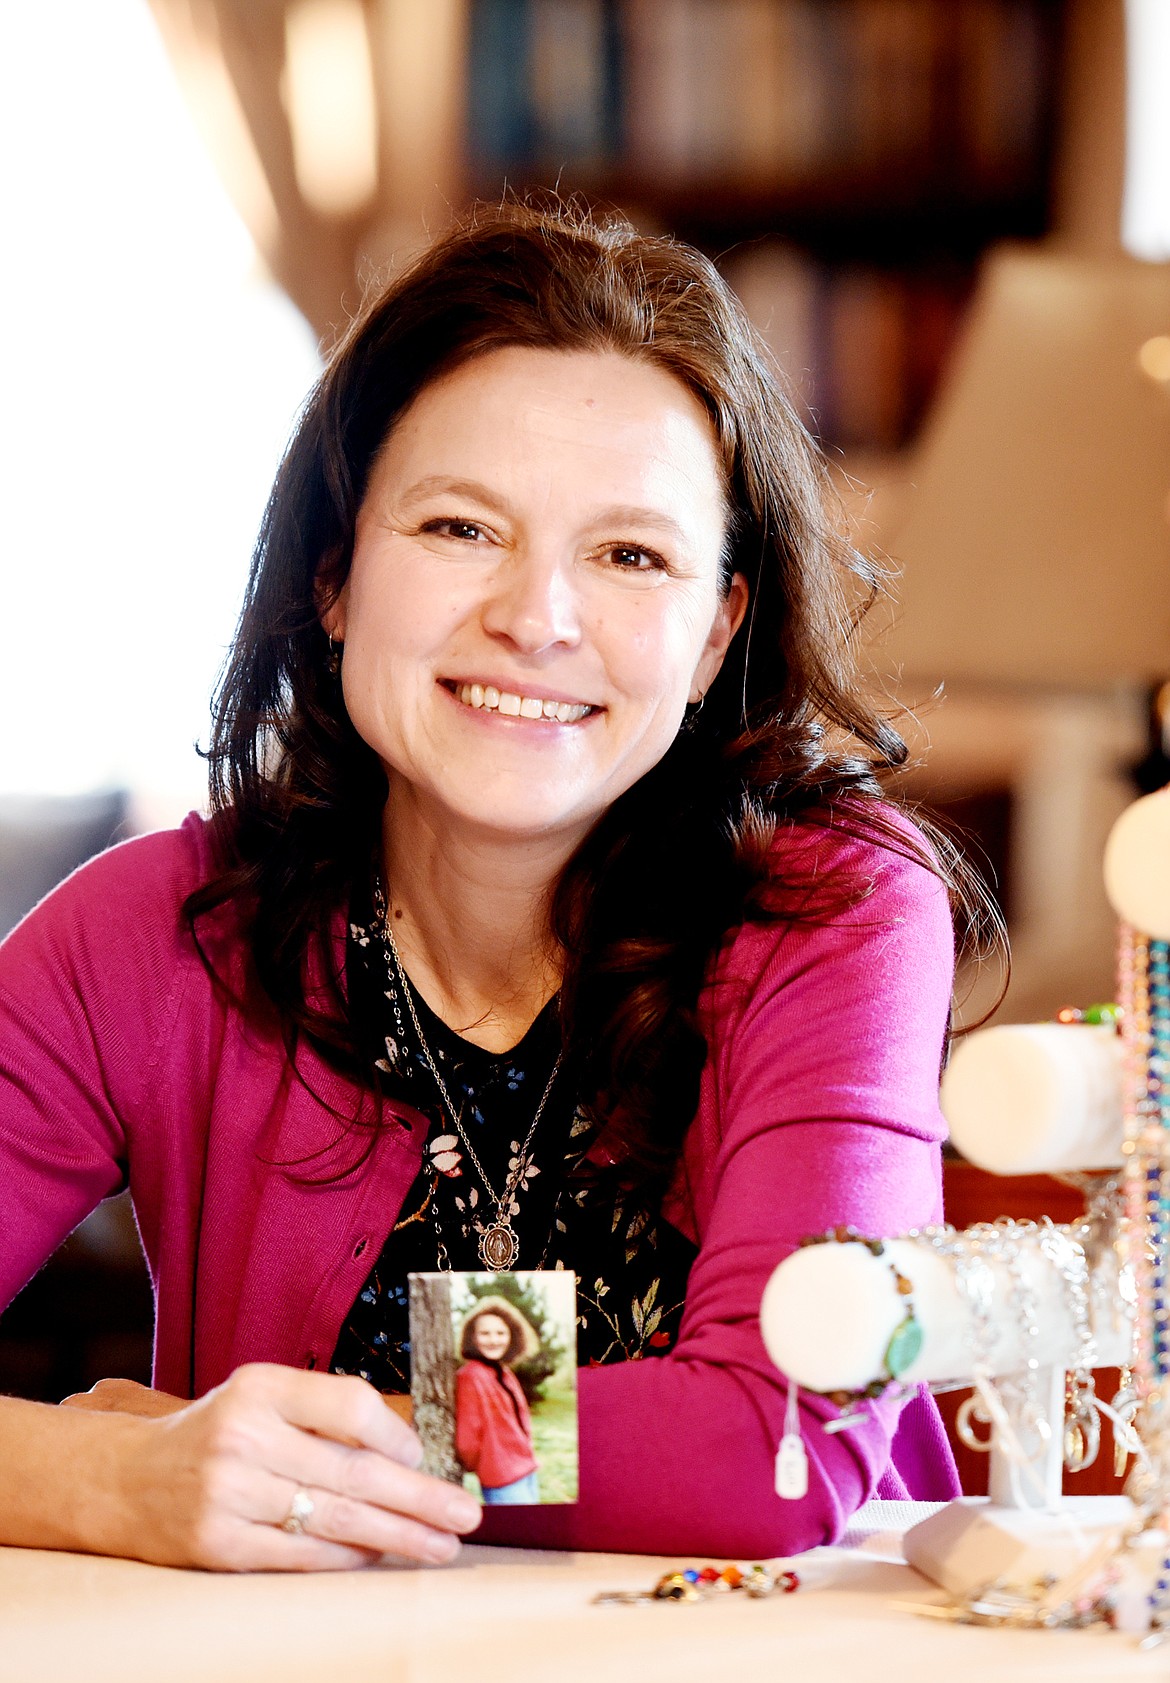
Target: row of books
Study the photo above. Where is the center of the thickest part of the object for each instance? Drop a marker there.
(766, 93)
(861, 348)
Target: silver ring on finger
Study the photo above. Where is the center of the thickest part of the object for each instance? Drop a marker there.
(300, 1512)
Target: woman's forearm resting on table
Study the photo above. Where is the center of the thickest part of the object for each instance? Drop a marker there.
(676, 1458)
(59, 1483)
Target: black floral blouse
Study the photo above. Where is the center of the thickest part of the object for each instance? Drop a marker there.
(631, 1265)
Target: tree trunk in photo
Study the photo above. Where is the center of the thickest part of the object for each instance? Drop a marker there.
(432, 1374)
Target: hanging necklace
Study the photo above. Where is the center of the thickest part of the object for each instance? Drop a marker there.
(498, 1244)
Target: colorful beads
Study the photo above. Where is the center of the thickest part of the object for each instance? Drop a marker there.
(1144, 986)
(700, 1583)
(1097, 1016)
(675, 1587)
(1143, 969)
(694, 1583)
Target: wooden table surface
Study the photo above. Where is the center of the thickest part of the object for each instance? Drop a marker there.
(517, 1617)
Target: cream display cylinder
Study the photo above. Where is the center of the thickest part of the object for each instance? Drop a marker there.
(1037, 1098)
(829, 1311)
(1137, 865)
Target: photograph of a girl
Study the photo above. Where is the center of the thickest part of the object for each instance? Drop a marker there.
(493, 1424)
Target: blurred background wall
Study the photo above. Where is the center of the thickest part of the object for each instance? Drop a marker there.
(200, 190)
(949, 218)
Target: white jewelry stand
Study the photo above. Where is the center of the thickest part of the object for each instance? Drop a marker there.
(1014, 1323)
(1012, 1306)
(1024, 1529)
(989, 1303)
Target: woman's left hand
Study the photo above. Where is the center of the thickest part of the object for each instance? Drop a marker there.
(124, 1396)
(127, 1396)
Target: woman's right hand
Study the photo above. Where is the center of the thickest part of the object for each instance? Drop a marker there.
(210, 1484)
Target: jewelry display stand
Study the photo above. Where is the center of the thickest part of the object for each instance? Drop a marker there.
(1024, 1530)
(1009, 1305)
(1013, 1307)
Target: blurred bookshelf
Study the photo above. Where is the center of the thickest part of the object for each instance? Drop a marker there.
(846, 161)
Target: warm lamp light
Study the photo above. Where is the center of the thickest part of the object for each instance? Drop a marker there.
(192, 40)
(1154, 357)
(1035, 544)
(329, 96)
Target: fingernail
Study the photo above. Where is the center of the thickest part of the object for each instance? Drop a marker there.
(464, 1513)
(442, 1550)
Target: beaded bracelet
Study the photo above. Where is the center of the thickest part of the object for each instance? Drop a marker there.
(905, 1342)
(702, 1583)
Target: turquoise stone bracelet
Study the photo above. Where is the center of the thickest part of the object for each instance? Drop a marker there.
(905, 1343)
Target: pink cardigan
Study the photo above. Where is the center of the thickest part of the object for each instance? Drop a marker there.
(260, 1216)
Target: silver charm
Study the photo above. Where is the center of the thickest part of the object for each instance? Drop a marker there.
(498, 1247)
(1125, 1407)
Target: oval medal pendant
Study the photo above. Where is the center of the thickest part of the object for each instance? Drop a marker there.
(498, 1246)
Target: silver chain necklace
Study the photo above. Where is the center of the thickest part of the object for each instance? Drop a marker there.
(499, 1246)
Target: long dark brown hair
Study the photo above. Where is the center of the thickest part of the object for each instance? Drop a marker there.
(684, 855)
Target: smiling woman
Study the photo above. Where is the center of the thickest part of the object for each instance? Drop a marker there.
(544, 608)
(549, 916)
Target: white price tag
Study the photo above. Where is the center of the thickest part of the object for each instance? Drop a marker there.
(791, 1468)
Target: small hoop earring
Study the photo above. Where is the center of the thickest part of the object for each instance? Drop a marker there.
(970, 1411)
(691, 714)
(336, 645)
(1082, 1427)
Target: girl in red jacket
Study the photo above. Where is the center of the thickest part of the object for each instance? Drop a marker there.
(493, 1428)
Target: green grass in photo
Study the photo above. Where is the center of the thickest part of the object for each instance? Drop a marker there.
(554, 1435)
